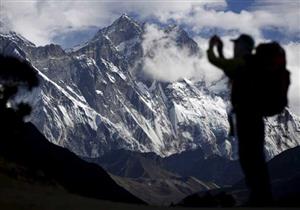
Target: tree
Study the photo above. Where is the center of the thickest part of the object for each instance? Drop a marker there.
(15, 74)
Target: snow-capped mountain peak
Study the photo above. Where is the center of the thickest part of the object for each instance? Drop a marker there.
(121, 30)
(90, 102)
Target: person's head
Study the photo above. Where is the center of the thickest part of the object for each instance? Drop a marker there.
(243, 45)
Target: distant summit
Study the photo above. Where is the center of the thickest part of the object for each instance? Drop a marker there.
(122, 29)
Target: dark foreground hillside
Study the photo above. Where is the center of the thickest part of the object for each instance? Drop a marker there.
(21, 193)
(285, 178)
(44, 162)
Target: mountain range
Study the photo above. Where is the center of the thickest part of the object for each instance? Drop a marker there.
(95, 98)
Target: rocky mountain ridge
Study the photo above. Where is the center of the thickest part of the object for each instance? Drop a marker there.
(91, 99)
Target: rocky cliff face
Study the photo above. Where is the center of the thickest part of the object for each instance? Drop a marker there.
(94, 98)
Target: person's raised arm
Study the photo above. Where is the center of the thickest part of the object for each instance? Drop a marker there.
(229, 66)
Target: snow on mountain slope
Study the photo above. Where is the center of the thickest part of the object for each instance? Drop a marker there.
(95, 98)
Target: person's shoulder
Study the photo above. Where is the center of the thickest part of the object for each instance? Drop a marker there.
(250, 60)
(249, 57)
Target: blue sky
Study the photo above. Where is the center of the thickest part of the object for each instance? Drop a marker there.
(239, 5)
(68, 22)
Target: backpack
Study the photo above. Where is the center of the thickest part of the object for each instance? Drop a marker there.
(273, 79)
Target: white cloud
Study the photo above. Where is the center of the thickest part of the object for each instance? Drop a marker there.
(251, 22)
(287, 14)
(164, 60)
(167, 62)
(41, 20)
(293, 64)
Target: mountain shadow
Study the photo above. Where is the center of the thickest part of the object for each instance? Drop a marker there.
(163, 181)
(216, 169)
(22, 144)
(285, 179)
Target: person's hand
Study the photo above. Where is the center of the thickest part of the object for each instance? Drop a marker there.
(214, 40)
(219, 44)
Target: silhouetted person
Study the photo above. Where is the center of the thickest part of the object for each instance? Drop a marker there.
(249, 119)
